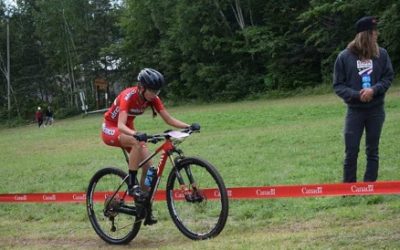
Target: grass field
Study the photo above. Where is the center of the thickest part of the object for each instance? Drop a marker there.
(295, 140)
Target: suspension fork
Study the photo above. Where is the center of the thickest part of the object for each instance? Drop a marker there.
(188, 172)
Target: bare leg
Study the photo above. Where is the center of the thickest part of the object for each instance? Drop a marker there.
(138, 153)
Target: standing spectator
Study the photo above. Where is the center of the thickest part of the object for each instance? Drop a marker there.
(363, 73)
(49, 116)
(39, 116)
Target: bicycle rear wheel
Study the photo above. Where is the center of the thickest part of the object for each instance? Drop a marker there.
(197, 199)
(104, 207)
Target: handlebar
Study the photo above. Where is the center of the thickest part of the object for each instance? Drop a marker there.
(168, 134)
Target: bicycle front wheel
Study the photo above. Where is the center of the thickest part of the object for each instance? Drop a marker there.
(110, 210)
(197, 199)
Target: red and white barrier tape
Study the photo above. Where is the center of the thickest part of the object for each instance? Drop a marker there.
(270, 192)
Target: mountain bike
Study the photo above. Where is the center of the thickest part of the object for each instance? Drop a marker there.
(195, 192)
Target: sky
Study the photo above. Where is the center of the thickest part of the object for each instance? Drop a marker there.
(9, 2)
(13, 2)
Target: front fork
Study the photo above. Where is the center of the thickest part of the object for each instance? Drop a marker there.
(184, 187)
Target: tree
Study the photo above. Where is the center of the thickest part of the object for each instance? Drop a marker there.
(329, 26)
(209, 50)
(74, 34)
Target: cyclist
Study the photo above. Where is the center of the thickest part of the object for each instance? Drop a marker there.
(118, 128)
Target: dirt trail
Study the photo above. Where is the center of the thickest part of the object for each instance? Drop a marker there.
(71, 243)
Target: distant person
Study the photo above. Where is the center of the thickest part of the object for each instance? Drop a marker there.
(119, 131)
(49, 116)
(363, 73)
(39, 116)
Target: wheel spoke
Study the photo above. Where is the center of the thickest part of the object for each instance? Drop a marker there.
(103, 204)
(195, 208)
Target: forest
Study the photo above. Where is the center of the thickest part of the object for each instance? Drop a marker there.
(76, 55)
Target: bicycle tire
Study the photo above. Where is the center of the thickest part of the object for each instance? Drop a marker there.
(102, 186)
(203, 218)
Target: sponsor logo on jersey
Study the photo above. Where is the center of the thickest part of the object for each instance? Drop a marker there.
(108, 131)
(115, 112)
(129, 94)
(136, 111)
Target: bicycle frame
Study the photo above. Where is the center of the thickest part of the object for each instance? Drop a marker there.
(192, 181)
(166, 148)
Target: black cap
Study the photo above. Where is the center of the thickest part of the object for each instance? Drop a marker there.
(366, 23)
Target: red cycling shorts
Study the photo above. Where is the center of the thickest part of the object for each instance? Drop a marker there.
(110, 134)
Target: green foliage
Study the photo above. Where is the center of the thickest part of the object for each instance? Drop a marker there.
(209, 51)
(56, 52)
(390, 30)
(330, 25)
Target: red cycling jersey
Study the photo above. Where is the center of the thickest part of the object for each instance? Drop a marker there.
(128, 100)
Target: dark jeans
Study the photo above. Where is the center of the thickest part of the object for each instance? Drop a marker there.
(40, 122)
(357, 120)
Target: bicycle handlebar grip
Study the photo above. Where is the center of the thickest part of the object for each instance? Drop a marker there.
(141, 137)
(195, 127)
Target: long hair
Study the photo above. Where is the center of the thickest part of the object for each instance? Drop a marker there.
(364, 46)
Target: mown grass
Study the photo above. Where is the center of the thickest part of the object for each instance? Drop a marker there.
(296, 140)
